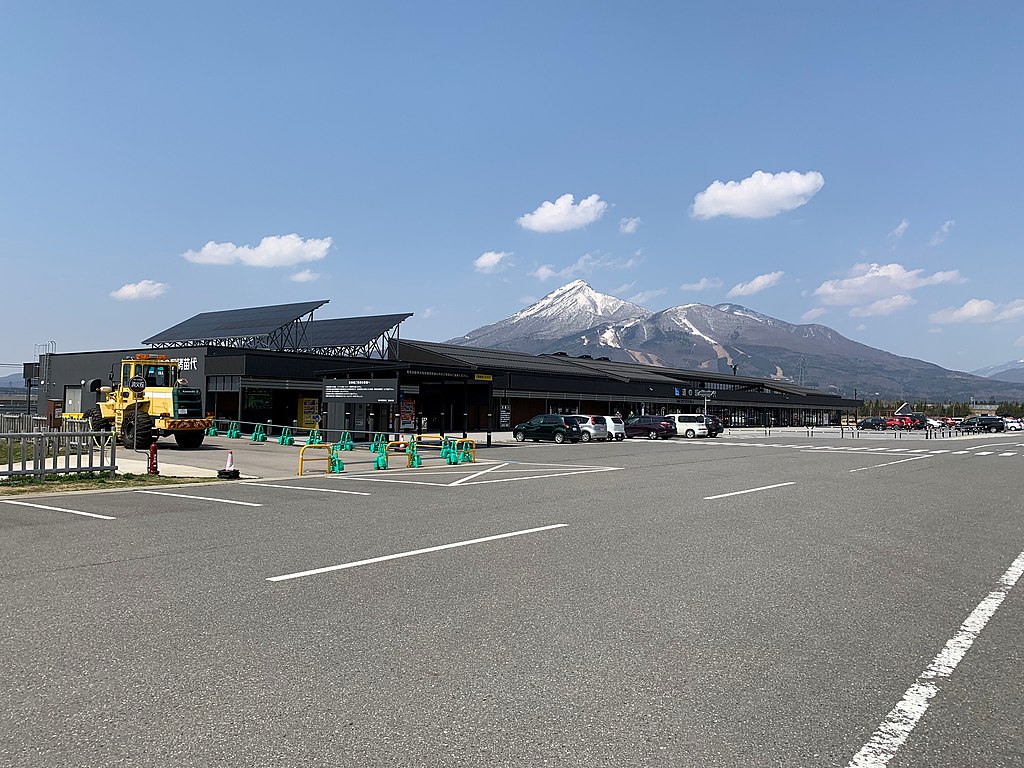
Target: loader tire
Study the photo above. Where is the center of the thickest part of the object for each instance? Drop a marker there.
(189, 440)
(137, 432)
(96, 421)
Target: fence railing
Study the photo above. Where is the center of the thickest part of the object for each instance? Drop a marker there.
(38, 454)
(21, 422)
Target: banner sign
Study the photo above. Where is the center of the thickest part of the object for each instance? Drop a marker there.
(505, 417)
(362, 390)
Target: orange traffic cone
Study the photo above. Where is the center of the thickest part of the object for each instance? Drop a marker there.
(229, 472)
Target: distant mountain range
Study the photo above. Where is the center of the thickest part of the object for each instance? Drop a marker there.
(578, 320)
(13, 381)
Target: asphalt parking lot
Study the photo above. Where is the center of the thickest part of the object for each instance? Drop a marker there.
(753, 600)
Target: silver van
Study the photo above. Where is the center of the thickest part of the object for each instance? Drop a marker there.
(689, 424)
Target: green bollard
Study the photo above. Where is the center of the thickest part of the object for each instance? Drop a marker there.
(415, 460)
(334, 463)
(314, 437)
(345, 442)
(212, 430)
(259, 434)
(286, 437)
(381, 462)
(234, 431)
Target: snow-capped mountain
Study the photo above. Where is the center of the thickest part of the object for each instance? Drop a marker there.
(1010, 371)
(578, 320)
(574, 305)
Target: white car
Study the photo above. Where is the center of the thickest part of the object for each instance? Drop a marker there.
(1013, 424)
(616, 427)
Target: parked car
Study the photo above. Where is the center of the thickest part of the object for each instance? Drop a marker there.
(549, 426)
(592, 427)
(897, 422)
(714, 424)
(872, 422)
(689, 425)
(616, 430)
(1013, 424)
(983, 424)
(653, 427)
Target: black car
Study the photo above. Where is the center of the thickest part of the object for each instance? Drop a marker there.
(983, 424)
(650, 426)
(714, 425)
(549, 426)
(871, 422)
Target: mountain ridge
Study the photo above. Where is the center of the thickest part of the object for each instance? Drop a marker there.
(576, 319)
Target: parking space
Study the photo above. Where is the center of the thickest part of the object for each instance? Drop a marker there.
(717, 602)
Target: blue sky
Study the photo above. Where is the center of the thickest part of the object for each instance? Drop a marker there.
(853, 164)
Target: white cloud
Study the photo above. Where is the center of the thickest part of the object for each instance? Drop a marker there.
(760, 196)
(943, 232)
(491, 261)
(305, 276)
(973, 311)
(623, 288)
(758, 284)
(645, 296)
(702, 285)
(980, 311)
(273, 251)
(1019, 342)
(812, 314)
(144, 289)
(585, 265)
(543, 272)
(630, 225)
(1010, 311)
(528, 299)
(861, 327)
(428, 313)
(562, 215)
(886, 306)
(870, 281)
(901, 230)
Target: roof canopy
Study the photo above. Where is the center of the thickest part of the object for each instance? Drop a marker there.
(285, 328)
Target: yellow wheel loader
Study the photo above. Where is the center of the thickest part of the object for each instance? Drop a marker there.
(147, 399)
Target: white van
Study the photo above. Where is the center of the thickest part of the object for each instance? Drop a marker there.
(689, 424)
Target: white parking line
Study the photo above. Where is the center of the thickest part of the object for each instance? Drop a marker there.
(890, 463)
(749, 490)
(462, 480)
(57, 509)
(203, 498)
(371, 560)
(305, 488)
(1009, 453)
(901, 720)
(983, 453)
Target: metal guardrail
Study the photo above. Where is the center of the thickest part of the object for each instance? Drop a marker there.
(38, 454)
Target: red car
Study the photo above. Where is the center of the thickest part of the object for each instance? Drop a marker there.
(898, 422)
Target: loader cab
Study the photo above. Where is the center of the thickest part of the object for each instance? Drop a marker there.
(158, 372)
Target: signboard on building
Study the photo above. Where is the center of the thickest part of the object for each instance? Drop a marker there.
(309, 412)
(505, 417)
(362, 390)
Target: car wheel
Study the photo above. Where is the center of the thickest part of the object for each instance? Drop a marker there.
(520, 436)
(652, 435)
(992, 429)
(690, 434)
(559, 437)
(586, 437)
